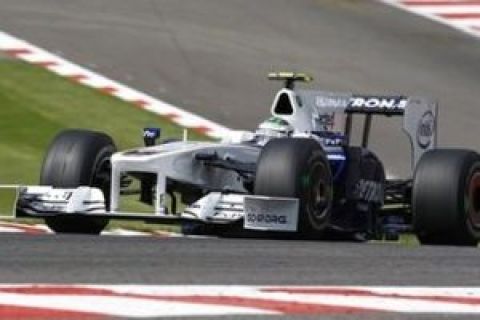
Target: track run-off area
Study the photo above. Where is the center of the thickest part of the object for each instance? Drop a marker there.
(210, 58)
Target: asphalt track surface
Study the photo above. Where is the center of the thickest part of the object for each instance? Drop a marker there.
(211, 57)
(112, 259)
(140, 260)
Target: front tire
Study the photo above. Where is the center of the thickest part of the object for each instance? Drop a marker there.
(78, 158)
(298, 168)
(446, 198)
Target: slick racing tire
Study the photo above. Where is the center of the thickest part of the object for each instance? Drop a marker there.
(446, 198)
(298, 168)
(78, 158)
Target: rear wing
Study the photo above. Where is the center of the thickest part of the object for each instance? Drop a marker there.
(306, 110)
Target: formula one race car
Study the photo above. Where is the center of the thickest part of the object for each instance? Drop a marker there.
(297, 175)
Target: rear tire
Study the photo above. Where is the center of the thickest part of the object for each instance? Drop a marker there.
(298, 168)
(78, 158)
(446, 198)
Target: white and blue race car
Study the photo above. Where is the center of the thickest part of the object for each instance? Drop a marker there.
(297, 175)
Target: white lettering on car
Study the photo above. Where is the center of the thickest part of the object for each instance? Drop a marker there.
(388, 103)
(368, 190)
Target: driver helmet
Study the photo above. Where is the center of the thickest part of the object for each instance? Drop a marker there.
(275, 127)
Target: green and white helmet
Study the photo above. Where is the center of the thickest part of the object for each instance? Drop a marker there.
(275, 127)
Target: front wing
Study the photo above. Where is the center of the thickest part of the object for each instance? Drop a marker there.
(258, 213)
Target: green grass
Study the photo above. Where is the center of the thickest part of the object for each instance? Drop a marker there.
(36, 104)
(7, 201)
(407, 239)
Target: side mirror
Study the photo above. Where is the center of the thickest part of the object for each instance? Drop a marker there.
(150, 136)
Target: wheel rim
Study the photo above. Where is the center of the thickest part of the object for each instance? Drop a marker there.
(473, 200)
(319, 192)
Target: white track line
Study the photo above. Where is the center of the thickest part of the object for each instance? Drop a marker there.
(33, 54)
(463, 15)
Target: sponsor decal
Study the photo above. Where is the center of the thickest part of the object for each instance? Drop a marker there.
(378, 103)
(227, 215)
(368, 190)
(331, 102)
(57, 196)
(269, 213)
(267, 218)
(426, 130)
(334, 142)
(151, 133)
(330, 139)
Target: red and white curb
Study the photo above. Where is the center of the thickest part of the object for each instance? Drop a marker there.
(10, 227)
(460, 14)
(137, 301)
(28, 52)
